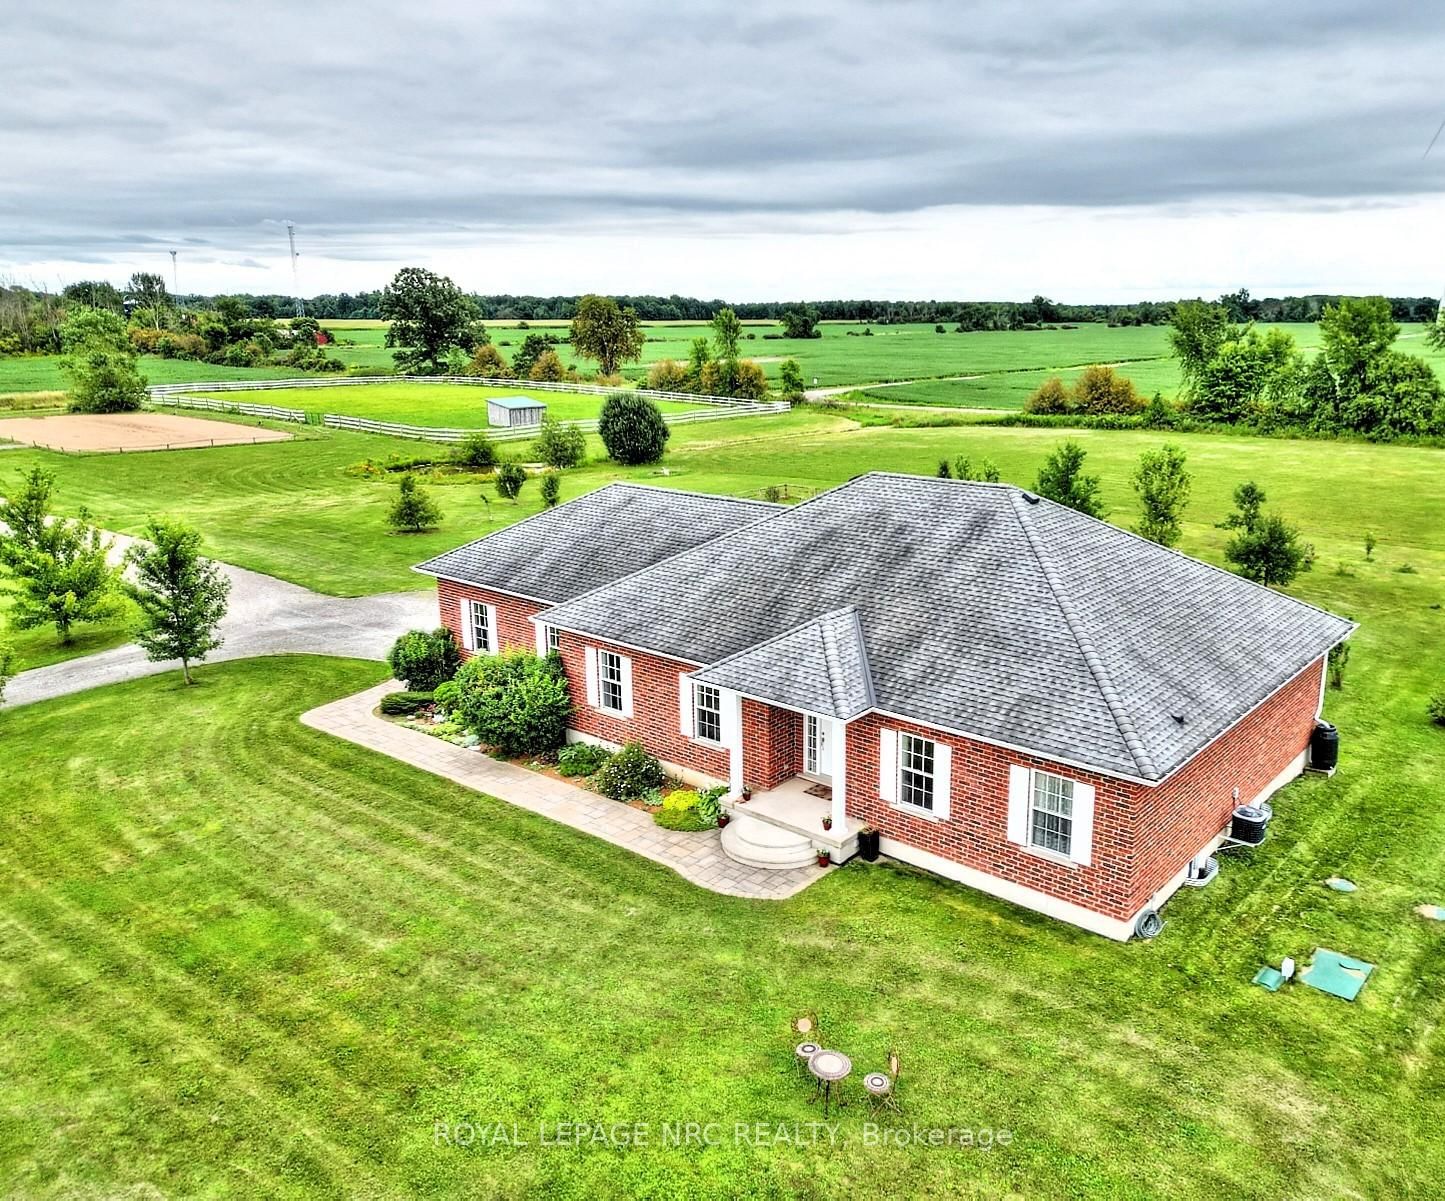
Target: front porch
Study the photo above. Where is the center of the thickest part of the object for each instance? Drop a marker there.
(796, 807)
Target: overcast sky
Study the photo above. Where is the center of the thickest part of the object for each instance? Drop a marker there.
(1087, 150)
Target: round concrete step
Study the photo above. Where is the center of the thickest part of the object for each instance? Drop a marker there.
(760, 844)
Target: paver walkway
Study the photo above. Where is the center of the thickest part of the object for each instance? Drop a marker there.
(697, 857)
(266, 616)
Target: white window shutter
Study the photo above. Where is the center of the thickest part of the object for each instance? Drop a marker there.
(1081, 849)
(591, 659)
(626, 686)
(684, 706)
(888, 765)
(1018, 804)
(494, 633)
(942, 777)
(469, 632)
(541, 632)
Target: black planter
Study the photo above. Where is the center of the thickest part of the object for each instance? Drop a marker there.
(868, 844)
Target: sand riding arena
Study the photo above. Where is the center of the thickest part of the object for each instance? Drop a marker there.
(77, 433)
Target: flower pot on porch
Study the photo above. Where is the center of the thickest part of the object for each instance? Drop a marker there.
(868, 839)
(824, 858)
(827, 823)
(722, 820)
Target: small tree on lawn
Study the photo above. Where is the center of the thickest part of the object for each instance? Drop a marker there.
(551, 489)
(63, 578)
(487, 361)
(790, 382)
(1062, 480)
(182, 597)
(413, 510)
(560, 445)
(727, 332)
(945, 471)
(632, 430)
(1163, 487)
(510, 478)
(547, 369)
(1267, 549)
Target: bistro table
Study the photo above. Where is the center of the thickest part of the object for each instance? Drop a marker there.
(830, 1068)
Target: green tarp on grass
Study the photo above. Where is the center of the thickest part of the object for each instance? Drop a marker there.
(1336, 974)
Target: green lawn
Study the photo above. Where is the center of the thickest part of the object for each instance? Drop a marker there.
(41, 373)
(442, 405)
(242, 957)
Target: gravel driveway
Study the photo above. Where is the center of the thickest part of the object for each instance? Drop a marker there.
(267, 616)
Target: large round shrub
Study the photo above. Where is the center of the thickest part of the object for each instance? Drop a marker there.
(515, 702)
(632, 430)
(422, 660)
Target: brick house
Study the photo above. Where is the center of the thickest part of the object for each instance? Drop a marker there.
(1035, 703)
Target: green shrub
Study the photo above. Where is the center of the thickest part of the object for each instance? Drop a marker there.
(475, 450)
(446, 695)
(709, 805)
(681, 798)
(515, 702)
(551, 489)
(1435, 707)
(682, 819)
(412, 511)
(510, 479)
(629, 773)
(581, 759)
(400, 703)
(422, 660)
(560, 445)
(632, 430)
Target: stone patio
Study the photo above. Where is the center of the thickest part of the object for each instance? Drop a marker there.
(697, 857)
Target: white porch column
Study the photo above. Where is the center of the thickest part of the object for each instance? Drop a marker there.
(732, 723)
(840, 777)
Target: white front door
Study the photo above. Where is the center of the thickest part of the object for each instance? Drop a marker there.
(817, 748)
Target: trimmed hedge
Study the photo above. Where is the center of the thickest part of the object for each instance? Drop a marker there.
(399, 704)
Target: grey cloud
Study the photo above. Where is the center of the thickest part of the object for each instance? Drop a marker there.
(175, 123)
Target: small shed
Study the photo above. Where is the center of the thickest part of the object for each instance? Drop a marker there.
(515, 411)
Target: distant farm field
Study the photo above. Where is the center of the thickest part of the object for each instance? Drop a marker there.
(41, 373)
(460, 406)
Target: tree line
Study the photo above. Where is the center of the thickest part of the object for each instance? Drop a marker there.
(30, 318)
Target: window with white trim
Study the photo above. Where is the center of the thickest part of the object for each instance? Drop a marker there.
(553, 640)
(609, 681)
(706, 713)
(917, 761)
(481, 619)
(1051, 813)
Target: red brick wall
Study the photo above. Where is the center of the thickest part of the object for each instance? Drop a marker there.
(976, 831)
(1143, 836)
(1195, 804)
(772, 744)
(654, 720)
(514, 628)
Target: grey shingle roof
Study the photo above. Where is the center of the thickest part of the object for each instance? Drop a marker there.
(593, 540)
(821, 666)
(979, 609)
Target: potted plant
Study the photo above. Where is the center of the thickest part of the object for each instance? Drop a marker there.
(824, 857)
(827, 823)
(868, 838)
(747, 793)
(723, 819)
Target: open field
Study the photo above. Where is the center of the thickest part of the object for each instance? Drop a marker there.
(444, 405)
(273, 964)
(131, 431)
(285, 508)
(41, 373)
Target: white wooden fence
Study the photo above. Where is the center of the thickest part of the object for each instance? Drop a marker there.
(179, 396)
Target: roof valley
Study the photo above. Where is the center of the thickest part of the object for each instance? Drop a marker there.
(1142, 759)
